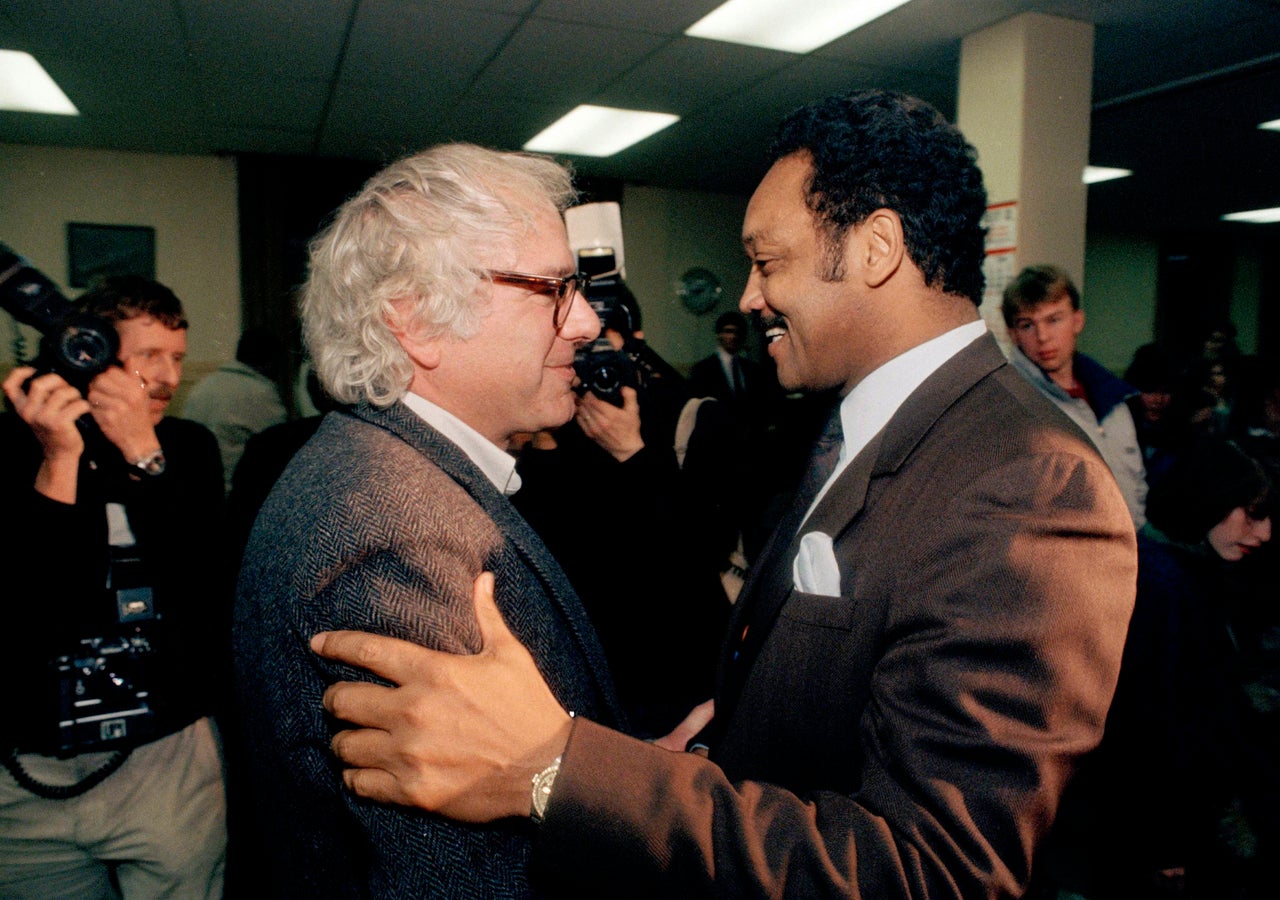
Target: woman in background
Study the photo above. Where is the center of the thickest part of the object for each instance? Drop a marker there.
(1187, 767)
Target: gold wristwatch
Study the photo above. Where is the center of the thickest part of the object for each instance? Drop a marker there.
(542, 783)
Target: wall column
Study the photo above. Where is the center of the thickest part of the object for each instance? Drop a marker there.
(1024, 103)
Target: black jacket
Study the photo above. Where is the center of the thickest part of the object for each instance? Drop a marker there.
(56, 563)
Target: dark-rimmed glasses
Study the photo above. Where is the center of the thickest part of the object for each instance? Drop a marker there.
(561, 289)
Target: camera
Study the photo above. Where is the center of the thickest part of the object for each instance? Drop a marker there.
(602, 368)
(75, 345)
(103, 700)
(101, 684)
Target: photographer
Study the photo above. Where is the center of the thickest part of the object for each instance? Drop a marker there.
(114, 515)
(638, 544)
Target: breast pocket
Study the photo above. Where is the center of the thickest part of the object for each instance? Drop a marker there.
(819, 610)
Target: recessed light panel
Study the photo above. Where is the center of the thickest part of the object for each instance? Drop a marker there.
(1255, 216)
(1094, 174)
(598, 131)
(26, 87)
(786, 24)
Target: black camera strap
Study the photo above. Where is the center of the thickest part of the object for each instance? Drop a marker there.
(64, 791)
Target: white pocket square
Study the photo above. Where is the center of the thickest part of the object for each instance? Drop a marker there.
(815, 570)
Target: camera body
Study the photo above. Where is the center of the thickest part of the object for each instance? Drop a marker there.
(103, 683)
(73, 344)
(103, 700)
(603, 369)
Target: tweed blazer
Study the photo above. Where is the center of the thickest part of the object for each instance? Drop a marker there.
(381, 524)
(910, 737)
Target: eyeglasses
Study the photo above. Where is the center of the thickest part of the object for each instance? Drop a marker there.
(561, 289)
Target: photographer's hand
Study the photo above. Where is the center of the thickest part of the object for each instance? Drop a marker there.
(50, 408)
(616, 429)
(121, 405)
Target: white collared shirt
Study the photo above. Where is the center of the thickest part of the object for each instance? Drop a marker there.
(726, 366)
(875, 399)
(498, 465)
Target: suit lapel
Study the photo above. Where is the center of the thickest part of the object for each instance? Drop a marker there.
(409, 427)
(770, 583)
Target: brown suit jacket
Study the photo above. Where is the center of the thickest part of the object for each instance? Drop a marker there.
(912, 736)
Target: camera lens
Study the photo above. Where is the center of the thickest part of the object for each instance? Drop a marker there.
(85, 348)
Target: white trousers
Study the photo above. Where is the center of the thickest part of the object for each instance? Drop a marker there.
(154, 828)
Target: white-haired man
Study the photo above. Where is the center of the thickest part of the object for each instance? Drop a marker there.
(443, 307)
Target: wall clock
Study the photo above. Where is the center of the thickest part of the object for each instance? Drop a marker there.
(699, 290)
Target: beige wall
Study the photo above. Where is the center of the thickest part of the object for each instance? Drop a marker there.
(190, 201)
(666, 233)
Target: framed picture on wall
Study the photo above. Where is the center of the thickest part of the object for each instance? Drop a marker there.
(98, 251)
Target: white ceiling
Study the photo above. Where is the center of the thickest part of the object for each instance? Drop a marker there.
(1179, 85)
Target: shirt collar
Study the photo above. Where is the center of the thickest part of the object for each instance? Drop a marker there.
(498, 465)
(872, 403)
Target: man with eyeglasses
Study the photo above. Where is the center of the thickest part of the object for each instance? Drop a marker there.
(443, 308)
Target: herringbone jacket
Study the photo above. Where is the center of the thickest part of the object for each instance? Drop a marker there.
(382, 524)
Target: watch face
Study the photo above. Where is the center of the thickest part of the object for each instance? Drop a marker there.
(153, 464)
(699, 290)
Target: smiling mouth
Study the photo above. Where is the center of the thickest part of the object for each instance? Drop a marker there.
(773, 328)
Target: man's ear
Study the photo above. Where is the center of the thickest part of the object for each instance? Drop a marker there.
(403, 324)
(880, 245)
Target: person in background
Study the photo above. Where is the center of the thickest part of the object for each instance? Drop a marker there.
(644, 543)
(240, 399)
(114, 528)
(1154, 373)
(727, 374)
(1042, 310)
(1181, 798)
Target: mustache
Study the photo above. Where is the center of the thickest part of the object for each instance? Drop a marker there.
(762, 323)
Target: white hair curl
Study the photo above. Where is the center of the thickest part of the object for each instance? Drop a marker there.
(418, 231)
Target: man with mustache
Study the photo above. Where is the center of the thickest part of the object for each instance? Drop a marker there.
(923, 652)
(114, 512)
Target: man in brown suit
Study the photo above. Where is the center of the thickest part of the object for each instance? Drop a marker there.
(929, 643)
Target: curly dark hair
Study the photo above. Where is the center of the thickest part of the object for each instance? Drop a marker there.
(879, 149)
(1206, 482)
(123, 297)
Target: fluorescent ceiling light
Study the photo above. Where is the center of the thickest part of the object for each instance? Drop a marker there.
(1094, 174)
(1256, 216)
(26, 87)
(1273, 125)
(786, 24)
(598, 131)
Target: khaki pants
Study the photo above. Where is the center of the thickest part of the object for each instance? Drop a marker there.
(154, 828)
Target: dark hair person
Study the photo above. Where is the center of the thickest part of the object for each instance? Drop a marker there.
(1184, 785)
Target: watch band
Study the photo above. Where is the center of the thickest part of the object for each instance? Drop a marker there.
(151, 464)
(542, 784)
